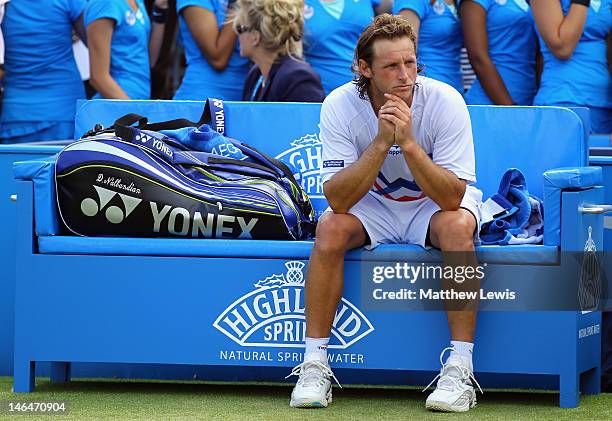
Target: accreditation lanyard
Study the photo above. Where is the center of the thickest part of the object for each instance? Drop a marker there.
(256, 88)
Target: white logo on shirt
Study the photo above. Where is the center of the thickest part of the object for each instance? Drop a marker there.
(140, 17)
(596, 4)
(438, 7)
(308, 11)
(130, 18)
(501, 2)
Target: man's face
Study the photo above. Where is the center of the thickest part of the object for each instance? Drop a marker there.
(393, 69)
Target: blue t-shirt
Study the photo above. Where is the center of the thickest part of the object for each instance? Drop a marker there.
(42, 82)
(331, 31)
(201, 80)
(129, 61)
(512, 48)
(440, 39)
(584, 79)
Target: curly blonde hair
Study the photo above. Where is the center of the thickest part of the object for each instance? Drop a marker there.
(280, 23)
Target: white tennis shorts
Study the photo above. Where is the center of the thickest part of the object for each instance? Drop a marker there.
(389, 222)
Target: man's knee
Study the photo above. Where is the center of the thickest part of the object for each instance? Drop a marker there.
(336, 233)
(454, 230)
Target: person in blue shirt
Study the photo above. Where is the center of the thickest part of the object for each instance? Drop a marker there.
(214, 66)
(123, 46)
(438, 28)
(271, 34)
(573, 44)
(501, 43)
(332, 28)
(42, 82)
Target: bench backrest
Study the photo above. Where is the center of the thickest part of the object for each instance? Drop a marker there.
(533, 139)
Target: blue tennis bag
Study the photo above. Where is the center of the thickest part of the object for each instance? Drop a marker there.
(135, 181)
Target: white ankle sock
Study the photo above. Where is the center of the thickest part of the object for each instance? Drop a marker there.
(317, 346)
(463, 350)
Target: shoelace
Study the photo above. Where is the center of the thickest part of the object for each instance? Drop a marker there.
(466, 374)
(300, 369)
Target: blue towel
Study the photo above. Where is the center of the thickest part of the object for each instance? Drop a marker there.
(512, 215)
(205, 139)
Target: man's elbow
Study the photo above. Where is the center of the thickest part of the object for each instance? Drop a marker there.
(453, 201)
(336, 205)
(337, 208)
(332, 199)
(450, 204)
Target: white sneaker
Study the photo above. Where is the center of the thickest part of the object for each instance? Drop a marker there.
(313, 388)
(454, 391)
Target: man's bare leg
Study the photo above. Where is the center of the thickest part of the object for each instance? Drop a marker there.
(453, 231)
(336, 233)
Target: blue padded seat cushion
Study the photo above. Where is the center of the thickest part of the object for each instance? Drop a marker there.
(265, 249)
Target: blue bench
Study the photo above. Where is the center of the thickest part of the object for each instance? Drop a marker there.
(238, 304)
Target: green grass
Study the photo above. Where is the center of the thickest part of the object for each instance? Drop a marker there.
(146, 400)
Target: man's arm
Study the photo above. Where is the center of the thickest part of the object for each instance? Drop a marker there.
(438, 183)
(347, 186)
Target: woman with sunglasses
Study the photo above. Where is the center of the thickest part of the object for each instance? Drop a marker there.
(437, 26)
(271, 36)
(214, 66)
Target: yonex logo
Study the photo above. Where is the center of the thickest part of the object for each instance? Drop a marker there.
(114, 214)
(143, 137)
(157, 144)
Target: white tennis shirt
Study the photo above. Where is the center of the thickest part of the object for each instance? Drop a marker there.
(441, 126)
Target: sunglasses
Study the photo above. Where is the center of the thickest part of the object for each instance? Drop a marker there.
(241, 29)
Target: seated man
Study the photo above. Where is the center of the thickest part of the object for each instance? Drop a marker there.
(398, 156)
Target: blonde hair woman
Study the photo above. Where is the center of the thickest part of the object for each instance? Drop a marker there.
(270, 33)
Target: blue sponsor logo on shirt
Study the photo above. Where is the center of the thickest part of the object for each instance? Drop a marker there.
(333, 163)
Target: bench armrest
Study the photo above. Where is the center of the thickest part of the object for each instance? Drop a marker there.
(555, 182)
(42, 173)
